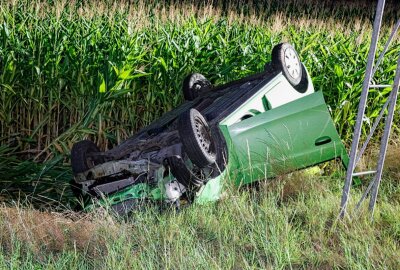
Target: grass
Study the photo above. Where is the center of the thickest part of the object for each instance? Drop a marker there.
(288, 223)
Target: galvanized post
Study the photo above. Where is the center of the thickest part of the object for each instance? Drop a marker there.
(361, 106)
(385, 138)
(379, 61)
(378, 119)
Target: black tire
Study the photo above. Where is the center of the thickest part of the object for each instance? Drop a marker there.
(79, 156)
(286, 59)
(182, 173)
(303, 85)
(194, 85)
(196, 138)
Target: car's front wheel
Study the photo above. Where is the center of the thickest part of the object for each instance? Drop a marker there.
(196, 137)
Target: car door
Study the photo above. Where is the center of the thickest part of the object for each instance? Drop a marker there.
(290, 137)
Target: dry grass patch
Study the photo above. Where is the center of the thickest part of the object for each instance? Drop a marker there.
(43, 232)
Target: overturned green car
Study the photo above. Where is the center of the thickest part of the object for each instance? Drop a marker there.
(254, 128)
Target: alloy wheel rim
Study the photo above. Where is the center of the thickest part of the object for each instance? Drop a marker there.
(292, 63)
(203, 136)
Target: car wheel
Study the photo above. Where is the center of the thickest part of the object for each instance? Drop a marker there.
(303, 85)
(196, 138)
(193, 85)
(182, 173)
(286, 59)
(79, 156)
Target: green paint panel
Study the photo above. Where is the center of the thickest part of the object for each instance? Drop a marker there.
(138, 191)
(212, 190)
(293, 136)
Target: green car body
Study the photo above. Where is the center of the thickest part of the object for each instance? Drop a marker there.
(292, 136)
(268, 125)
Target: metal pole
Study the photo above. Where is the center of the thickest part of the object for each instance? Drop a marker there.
(361, 106)
(365, 194)
(385, 138)
(376, 123)
(394, 31)
(378, 119)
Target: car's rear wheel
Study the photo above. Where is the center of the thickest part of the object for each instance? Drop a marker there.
(196, 138)
(194, 85)
(303, 85)
(80, 159)
(286, 59)
(81, 162)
